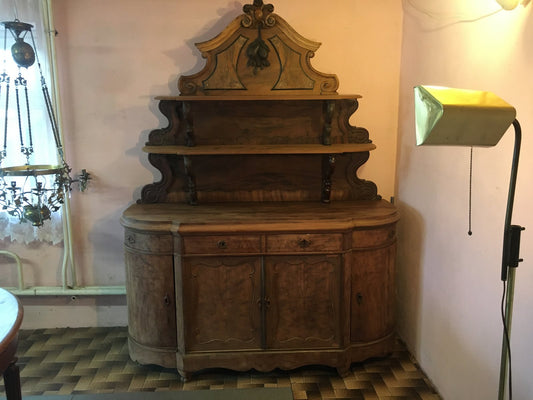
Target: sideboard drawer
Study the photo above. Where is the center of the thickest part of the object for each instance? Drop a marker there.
(152, 243)
(304, 242)
(365, 238)
(222, 244)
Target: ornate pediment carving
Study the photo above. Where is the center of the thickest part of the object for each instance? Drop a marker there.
(258, 53)
(258, 14)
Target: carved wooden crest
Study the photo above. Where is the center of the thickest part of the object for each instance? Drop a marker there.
(258, 53)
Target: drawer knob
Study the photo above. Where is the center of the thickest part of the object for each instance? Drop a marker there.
(131, 239)
(166, 299)
(304, 243)
(221, 244)
(263, 303)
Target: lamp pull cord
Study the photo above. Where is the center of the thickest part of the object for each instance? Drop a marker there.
(470, 195)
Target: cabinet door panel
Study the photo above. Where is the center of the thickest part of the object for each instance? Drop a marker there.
(302, 299)
(150, 296)
(372, 296)
(221, 303)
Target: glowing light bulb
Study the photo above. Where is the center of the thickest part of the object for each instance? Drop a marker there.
(508, 4)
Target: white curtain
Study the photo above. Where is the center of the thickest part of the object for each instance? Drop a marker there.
(32, 12)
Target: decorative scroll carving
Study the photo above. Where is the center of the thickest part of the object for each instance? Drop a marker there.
(361, 189)
(352, 133)
(167, 135)
(258, 14)
(232, 67)
(257, 53)
(157, 192)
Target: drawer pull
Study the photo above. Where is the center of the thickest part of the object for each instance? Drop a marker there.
(304, 243)
(263, 303)
(221, 244)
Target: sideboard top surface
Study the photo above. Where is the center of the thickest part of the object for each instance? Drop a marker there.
(267, 216)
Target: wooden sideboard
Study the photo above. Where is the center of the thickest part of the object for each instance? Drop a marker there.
(259, 247)
(260, 286)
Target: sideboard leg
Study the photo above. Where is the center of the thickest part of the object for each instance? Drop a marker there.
(185, 375)
(344, 370)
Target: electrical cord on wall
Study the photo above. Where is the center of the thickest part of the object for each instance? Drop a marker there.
(507, 339)
(431, 19)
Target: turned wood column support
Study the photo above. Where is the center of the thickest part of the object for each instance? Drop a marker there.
(329, 109)
(328, 167)
(191, 181)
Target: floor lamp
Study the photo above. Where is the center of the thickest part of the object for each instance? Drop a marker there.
(446, 116)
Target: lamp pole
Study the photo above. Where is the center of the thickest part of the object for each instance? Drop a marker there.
(510, 260)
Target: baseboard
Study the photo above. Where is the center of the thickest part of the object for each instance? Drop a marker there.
(46, 312)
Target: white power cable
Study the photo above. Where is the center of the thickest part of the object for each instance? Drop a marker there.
(432, 19)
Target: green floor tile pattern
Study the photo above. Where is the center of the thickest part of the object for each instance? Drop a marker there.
(79, 361)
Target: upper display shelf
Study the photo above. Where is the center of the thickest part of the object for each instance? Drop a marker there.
(262, 149)
(258, 53)
(258, 123)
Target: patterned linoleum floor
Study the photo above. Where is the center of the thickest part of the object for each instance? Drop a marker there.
(95, 360)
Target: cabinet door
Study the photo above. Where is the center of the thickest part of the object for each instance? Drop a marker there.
(221, 297)
(302, 296)
(372, 296)
(150, 296)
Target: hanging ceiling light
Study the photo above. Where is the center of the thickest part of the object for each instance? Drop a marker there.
(29, 192)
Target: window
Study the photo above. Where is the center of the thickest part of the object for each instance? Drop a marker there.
(33, 12)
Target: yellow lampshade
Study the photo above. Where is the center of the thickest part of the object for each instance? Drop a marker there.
(446, 116)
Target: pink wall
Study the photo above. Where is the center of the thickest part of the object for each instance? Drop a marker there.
(449, 286)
